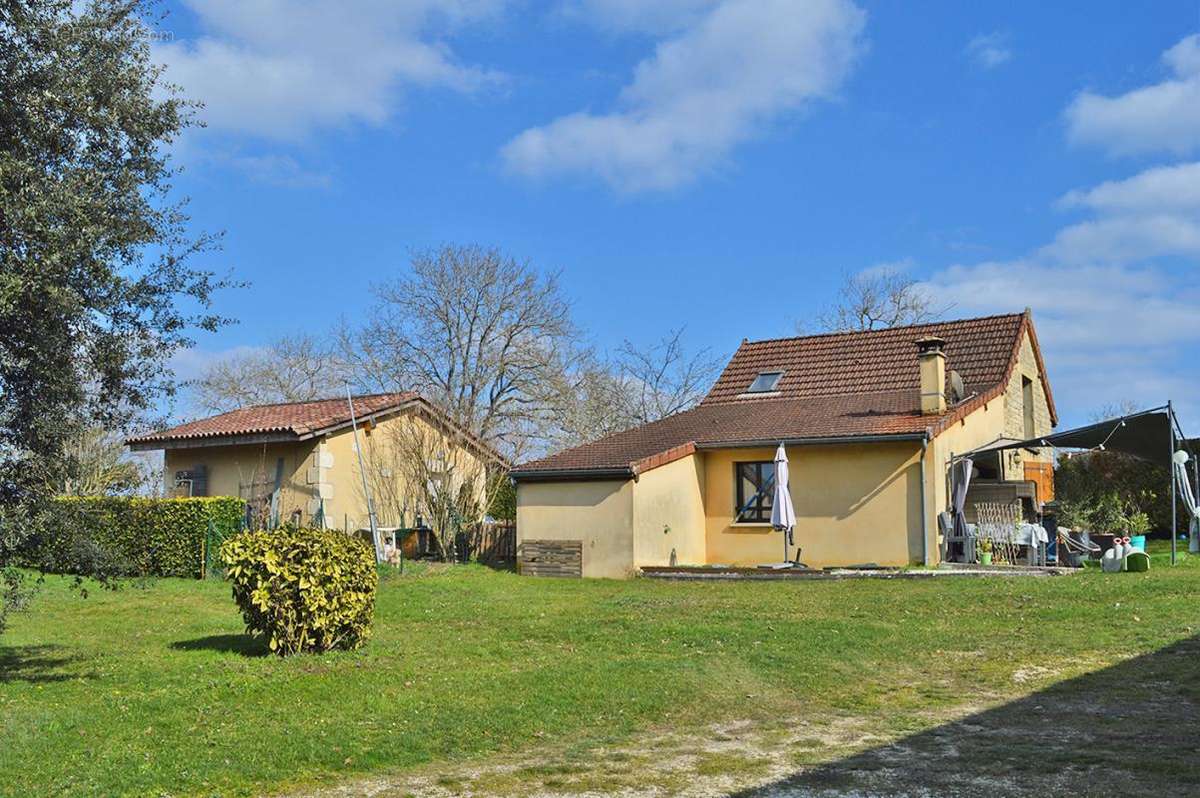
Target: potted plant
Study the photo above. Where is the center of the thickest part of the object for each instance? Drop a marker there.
(1108, 515)
(1137, 524)
(985, 551)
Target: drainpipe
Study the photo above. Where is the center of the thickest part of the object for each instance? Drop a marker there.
(924, 501)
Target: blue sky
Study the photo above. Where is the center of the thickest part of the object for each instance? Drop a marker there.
(719, 164)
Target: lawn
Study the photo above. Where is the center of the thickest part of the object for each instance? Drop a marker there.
(156, 691)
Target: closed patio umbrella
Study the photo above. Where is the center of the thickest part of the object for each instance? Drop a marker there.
(783, 514)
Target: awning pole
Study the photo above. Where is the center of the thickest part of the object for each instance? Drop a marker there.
(1171, 461)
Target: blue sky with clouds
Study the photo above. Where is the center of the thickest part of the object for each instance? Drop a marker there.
(719, 164)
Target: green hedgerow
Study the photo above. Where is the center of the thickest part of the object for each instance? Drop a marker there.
(304, 590)
(130, 534)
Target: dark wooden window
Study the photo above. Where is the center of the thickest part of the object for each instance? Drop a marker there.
(755, 490)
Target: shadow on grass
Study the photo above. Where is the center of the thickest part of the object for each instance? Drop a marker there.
(1130, 729)
(36, 665)
(243, 645)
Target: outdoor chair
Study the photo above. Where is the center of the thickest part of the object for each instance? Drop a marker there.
(951, 540)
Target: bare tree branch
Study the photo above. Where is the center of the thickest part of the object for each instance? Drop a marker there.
(296, 368)
(477, 333)
(878, 299)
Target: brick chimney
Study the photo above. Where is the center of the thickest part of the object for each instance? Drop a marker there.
(933, 375)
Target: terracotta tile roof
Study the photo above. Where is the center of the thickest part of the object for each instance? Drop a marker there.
(299, 419)
(877, 361)
(834, 387)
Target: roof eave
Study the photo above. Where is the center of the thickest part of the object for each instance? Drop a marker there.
(202, 441)
(571, 474)
(753, 443)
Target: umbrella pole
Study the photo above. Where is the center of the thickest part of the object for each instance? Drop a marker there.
(1171, 433)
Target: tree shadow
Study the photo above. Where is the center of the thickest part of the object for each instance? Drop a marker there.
(1130, 729)
(37, 665)
(243, 645)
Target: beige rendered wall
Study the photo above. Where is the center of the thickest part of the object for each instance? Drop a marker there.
(668, 514)
(232, 467)
(1014, 412)
(597, 513)
(854, 504)
(325, 469)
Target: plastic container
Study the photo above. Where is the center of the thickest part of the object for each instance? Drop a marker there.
(1137, 561)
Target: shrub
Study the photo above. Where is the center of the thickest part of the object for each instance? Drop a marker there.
(307, 590)
(131, 535)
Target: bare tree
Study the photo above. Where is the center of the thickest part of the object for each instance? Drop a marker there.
(663, 379)
(479, 334)
(638, 385)
(1117, 409)
(423, 467)
(591, 400)
(876, 299)
(294, 368)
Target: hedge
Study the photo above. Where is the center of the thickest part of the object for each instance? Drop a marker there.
(152, 537)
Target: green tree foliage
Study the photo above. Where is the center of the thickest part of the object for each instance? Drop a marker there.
(502, 504)
(121, 535)
(303, 590)
(96, 286)
(1101, 478)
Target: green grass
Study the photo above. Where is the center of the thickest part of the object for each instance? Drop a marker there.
(156, 691)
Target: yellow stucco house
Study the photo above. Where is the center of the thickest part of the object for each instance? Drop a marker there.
(297, 461)
(870, 421)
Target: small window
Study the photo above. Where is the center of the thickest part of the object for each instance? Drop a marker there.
(755, 491)
(1027, 407)
(765, 382)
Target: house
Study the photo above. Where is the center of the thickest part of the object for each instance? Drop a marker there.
(870, 421)
(298, 461)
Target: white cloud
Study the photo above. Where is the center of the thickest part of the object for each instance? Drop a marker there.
(279, 170)
(283, 69)
(659, 17)
(1108, 332)
(1157, 118)
(989, 50)
(1164, 188)
(712, 86)
(189, 364)
(1153, 214)
(1124, 239)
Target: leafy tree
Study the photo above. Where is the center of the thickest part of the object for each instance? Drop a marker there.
(96, 286)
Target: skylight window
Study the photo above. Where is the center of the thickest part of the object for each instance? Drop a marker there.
(765, 382)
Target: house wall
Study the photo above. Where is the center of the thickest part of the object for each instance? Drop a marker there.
(668, 514)
(854, 504)
(598, 513)
(325, 471)
(1014, 412)
(1004, 416)
(231, 470)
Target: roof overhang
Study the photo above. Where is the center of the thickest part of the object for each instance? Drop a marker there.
(833, 440)
(206, 441)
(629, 472)
(571, 474)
